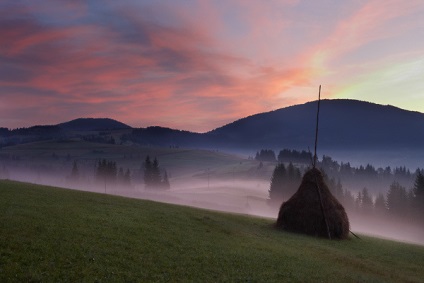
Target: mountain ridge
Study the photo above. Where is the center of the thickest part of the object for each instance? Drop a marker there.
(87, 124)
(344, 124)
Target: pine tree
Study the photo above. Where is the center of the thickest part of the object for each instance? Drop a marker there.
(291, 172)
(348, 200)
(418, 191)
(121, 176)
(293, 179)
(278, 183)
(75, 172)
(106, 171)
(156, 178)
(111, 172)
(148, 172)
(397, 199)
(165, 181)
(366, 203)
(358, 201)
(152, 175)
(338, 192)
(127, 178)
(380, 204)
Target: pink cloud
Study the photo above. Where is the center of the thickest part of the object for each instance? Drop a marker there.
(198, 67)
(134, 71)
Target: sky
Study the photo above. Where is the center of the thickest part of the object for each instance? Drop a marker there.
(200, 64)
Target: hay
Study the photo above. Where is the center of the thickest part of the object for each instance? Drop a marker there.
(302, 213)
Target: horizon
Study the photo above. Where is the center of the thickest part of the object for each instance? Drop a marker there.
(236, 119)
(200, 65)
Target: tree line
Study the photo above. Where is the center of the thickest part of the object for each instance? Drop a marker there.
(107, 173)
(351, 176)
(398, 201)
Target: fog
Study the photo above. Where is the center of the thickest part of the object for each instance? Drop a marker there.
(237, 196)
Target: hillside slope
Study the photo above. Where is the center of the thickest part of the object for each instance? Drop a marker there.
(50, 234)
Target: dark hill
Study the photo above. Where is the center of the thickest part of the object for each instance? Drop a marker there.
(344, 124)
(161, 136)
(93, 124)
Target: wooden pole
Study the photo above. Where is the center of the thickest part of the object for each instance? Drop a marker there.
(316, 128)
(314, 164)
(354, 235)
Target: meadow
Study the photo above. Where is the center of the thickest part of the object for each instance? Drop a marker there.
(58, 235)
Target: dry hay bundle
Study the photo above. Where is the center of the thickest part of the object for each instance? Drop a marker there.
(303, 212)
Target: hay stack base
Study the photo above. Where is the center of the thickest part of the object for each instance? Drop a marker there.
(303, 213)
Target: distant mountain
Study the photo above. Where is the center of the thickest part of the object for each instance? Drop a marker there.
(93, 124)
(161, 136)
(343, 124)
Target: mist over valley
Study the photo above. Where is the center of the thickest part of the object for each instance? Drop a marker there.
(224, 170)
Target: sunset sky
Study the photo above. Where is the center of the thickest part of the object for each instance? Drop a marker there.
(199, 64)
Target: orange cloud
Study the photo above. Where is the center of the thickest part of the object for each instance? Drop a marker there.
(192, 67)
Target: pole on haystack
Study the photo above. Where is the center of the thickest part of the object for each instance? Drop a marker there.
(316, 128)
(314, 164)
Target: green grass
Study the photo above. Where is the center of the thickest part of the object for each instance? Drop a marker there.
(56, 235)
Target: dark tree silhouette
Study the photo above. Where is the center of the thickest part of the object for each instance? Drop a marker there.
(127, 178)
(366, 201)
(397, 199)
(380, 205)
(156, 178)
(152, 175)
(148, 172)
(287, 155)
(418, 194)
(278, 184)
(106, 172)
(284, 182)
(74, 172)
(265, 155)
(165, 181)
(124, 179)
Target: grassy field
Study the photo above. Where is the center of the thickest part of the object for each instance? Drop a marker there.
(57, 235)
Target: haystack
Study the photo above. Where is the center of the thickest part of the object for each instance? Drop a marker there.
(313, 210)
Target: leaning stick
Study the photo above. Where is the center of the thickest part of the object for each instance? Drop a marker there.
(314, 164)
(316, 128)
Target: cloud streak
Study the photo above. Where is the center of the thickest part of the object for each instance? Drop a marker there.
(192, 67)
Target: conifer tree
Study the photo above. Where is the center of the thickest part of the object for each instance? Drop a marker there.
(127, 178)
(366, 201)
(418, 192)
(278, 184)
(380, 204)
(358, 201)
(148, 172)
(338, 192)
(106, 171)
(120, 176)
(75, 172)
(165, 181)
(397, 199)
(156, 178)
(152, 175)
